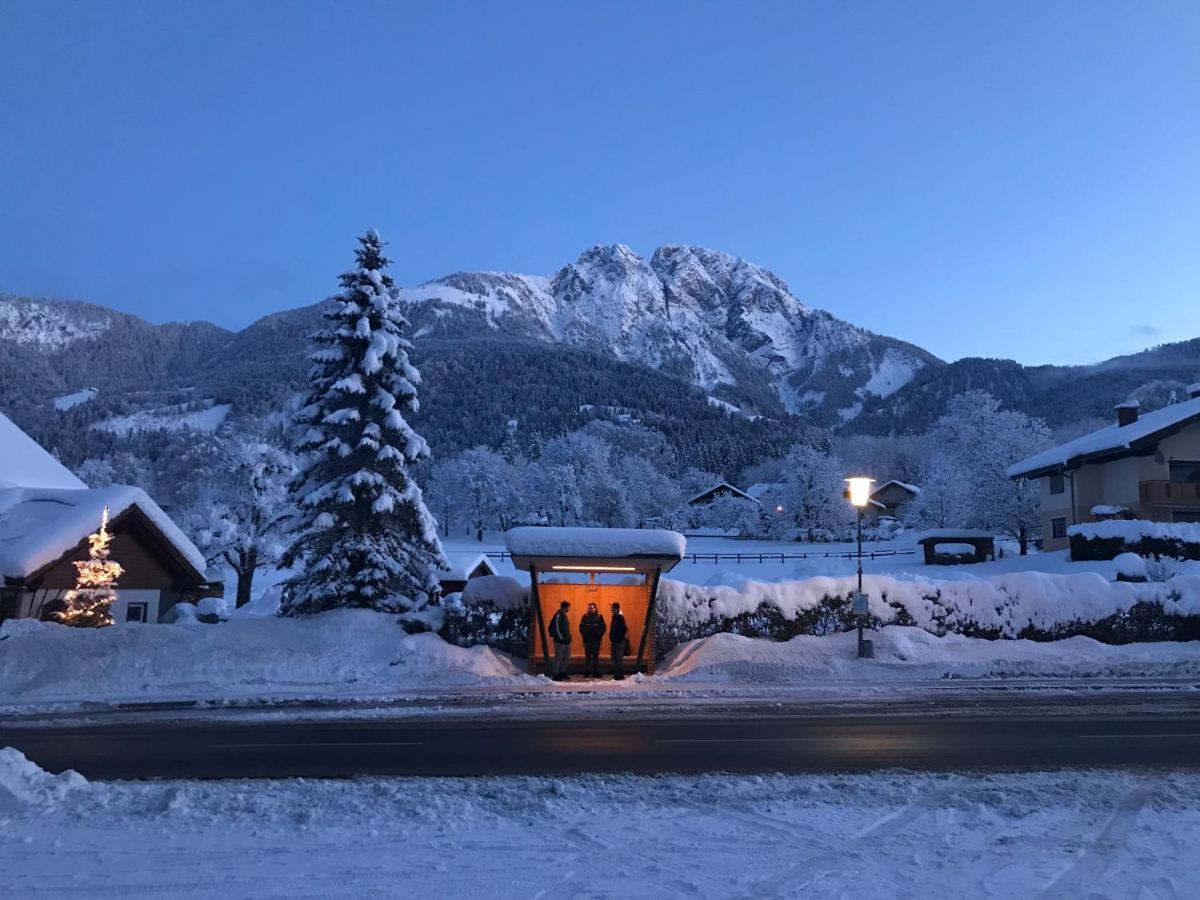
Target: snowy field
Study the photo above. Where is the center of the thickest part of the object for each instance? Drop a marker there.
(903, 559)
(1060, 834)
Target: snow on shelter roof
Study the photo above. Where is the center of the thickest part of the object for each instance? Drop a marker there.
(39, 526)
(1113, 438)
(25, 463)
(596, 543)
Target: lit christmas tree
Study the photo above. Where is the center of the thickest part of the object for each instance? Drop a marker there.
(88, 603)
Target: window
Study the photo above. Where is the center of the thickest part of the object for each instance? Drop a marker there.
(1057, 483)
(1185, 516)
(135, 612)
(1184, 470)
(1058, 527)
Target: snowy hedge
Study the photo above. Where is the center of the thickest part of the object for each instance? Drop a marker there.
(1109, 539)
(1017, 605)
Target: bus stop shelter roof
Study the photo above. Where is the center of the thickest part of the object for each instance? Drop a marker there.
(640, 549)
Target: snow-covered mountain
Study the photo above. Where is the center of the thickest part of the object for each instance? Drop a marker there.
(706, 316)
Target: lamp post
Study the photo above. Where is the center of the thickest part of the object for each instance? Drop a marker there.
(859, 491)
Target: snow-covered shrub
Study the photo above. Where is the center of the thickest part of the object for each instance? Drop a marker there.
(1110, 538)
(1029, 605)
(1130, 567)
(182, 614)
(211, 610)
(491, 614)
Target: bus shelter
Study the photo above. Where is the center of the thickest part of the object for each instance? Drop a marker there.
(593, 565)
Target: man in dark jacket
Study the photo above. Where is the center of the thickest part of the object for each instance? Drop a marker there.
(591, 629)
(618, 637)
(560, 633)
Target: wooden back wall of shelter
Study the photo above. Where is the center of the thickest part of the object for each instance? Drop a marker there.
(634, 600)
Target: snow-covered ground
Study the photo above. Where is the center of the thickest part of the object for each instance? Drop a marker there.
(903, 559)
(363, 657)
(169, 418)
(1059, 834)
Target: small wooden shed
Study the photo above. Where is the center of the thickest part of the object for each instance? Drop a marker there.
(594, 565)
(464, 565)
(951, 546)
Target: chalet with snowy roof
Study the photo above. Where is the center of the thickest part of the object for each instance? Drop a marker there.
(1143, 466)
(892, 496)
(464, 565)
(46, 515)
(724, 489)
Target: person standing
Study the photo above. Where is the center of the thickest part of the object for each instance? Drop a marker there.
(618, 639)
(591, 630)
(560, 633)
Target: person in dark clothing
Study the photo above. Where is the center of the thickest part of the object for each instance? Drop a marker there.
(591, 630)
(560, 633)
(618, 638)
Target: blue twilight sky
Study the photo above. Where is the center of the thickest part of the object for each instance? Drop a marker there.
(1013, 179)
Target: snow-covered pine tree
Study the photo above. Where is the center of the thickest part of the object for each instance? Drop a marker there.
(364, 536)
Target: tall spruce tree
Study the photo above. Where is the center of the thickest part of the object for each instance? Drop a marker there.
(364, 537)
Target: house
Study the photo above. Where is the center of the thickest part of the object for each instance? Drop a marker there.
(893, 495)
(464, 565)
(46, 515)
(724, 489)
(1145, 466)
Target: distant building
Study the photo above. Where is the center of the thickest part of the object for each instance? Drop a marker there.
(46, 514)
(724, 489)
(464, 565)
(893, 495)
(1142, 466)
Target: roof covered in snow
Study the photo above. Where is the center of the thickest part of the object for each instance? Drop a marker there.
(721, 488)
(761, 488)
(953, 534)
(600, 544)
(463, 563)
(1111, 442)
(25, 463)
(911, 488)
(38, 526)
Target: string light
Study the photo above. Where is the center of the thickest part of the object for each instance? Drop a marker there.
(88, 604)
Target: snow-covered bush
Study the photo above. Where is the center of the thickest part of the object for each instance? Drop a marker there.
(491, 611)
(1025, 604)
(1108, 539)
(1130, 567)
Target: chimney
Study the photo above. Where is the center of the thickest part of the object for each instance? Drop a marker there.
(1127, 412)
(1194, 390)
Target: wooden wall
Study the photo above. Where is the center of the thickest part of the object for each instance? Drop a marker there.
(634, 600)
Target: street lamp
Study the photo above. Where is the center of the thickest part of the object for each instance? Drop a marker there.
(859, 491)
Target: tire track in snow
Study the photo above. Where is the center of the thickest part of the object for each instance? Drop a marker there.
(1089, 866)
(795, 878)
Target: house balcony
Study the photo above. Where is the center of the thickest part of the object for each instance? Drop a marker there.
(1169, 494)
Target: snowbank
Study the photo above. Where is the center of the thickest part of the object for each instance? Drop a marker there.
(250, 657)
(25, 787)
(912, 653)
(499, 590)
(1007, 603)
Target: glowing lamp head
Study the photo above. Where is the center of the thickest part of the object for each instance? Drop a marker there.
(859, 489)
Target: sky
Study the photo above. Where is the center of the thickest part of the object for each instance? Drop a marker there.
(1017, 179)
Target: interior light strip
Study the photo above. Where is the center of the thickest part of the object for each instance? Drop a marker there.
(593, 568)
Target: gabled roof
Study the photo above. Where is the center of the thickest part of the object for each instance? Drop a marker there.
(722, 487)
(40, 526)
(911, 488)
(463, 563)
(25, 463)
(1112, 442)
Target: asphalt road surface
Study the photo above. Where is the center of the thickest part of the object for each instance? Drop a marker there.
(427, 746)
